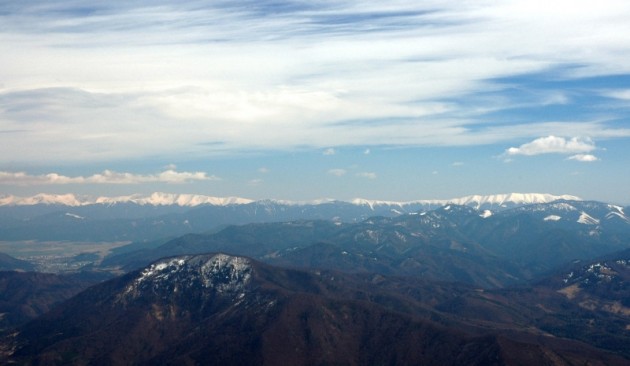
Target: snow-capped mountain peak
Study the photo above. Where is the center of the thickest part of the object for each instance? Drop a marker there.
(45, 199)
(154, 199)
(511, 198)
(477, 201)
(193, 200)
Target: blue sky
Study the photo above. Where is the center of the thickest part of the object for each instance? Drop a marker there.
(400, 100)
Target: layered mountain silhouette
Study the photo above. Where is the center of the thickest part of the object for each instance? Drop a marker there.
(540, 283)
(451, 243)
(9, 263)
(139, 218)
(229, 310)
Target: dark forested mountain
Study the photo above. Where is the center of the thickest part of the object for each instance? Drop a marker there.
(220, 309)
(454, 284)
(8, 263)
(587, 300)
(451, 243)
(26, 295)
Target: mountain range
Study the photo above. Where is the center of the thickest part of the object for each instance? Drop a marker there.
(450, 243)
(222, 309)
(135, 218)
(193, 200)
(500, 280)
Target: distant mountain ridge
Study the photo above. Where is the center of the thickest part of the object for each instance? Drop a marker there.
(193, 200)
(146, 218)
(154, 199)
(452, 242)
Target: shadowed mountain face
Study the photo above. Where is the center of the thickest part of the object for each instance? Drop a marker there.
(26, 295)
(451, 243)
(8, 263)
(221, 309)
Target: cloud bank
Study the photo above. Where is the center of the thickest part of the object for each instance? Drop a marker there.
(101, 82)
(553, 145)
(106, 177)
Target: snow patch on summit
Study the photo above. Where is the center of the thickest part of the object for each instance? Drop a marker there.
(219, 272)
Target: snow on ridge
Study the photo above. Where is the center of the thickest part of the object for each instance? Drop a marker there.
(587, 219)
(75, 216)
(552, 218)
(68, 199)
(166, 199)
(372, 203)
(155, 199)
(221, 272)
(619, 215)
(192, 200)
(514, 198)
(485, 214)
(320, 201)
(477, 200)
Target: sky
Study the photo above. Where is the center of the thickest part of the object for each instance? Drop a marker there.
(301, 100)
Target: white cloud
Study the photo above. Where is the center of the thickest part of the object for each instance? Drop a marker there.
(255, 182)
(586, 158)
(623, 94)
(457, 163)
(337, 172)
(263, 170)
(106, 177)
(368, 175)
(553, 145)
(366, 152)
(85, 87)
(329, 151)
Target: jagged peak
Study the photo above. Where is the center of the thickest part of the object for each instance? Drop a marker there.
(219, 272)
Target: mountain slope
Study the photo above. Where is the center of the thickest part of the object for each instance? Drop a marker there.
(450, 243)
(9, 263)
(222, 309)
(26, 295)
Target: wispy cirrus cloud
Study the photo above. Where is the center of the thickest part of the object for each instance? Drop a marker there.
(621, 94)
(337, 172)
(368, 175)
(106, 177)
(299, 75)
